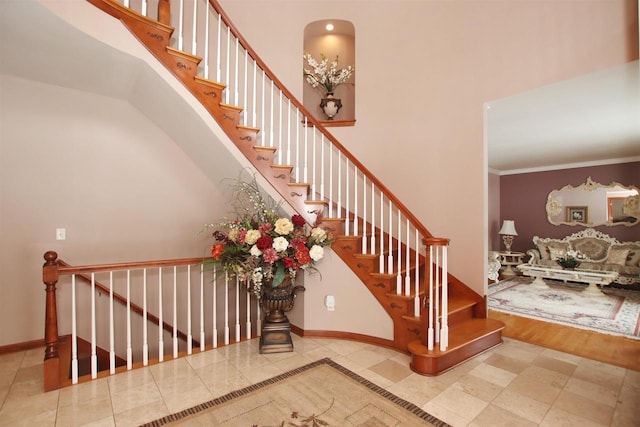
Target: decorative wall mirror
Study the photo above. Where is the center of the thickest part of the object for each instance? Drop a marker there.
(592, 204)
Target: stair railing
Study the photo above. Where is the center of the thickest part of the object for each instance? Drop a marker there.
(192, 296)
(304, 151)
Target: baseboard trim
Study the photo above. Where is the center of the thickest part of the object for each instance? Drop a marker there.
(350, 336)
(21, 346)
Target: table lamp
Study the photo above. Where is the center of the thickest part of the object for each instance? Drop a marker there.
(507, 231)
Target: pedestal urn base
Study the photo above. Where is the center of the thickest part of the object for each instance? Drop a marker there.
(276, 329)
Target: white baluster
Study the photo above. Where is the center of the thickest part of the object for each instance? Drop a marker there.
(160, 319)
(347, 220)
(339, 206)
(215, 308)
(331, 203)
(381, 266)
(407, 262)
(271, 108)
(175, 312)
(430, 336)
(237, 337)
(144, 8)
(280, 148)
(254, 117)
(444, 333)
(322, 168)
(373, 219)
(390, 254)
(145, 340)
(189, 333)
(248, 323)
(399, 275)
(246, 82)
(436, 296)
(194, 51)
(202, 340)
(297, 158)
(74, 333)
(219, 50)
(129, 350)
(288, 161)
(416, 299)
(263, 141)
(228, 68)
(94, 353)
(355, 201)
(236, 81)
(112, 350)
(226, 308)
(306, 150)
(180, 25)
(206, 41)
(314, 187)
(364, 214)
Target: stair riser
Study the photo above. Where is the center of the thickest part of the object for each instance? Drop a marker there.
(426, 365)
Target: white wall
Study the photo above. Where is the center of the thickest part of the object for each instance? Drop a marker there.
(96, 166)
(424, 70)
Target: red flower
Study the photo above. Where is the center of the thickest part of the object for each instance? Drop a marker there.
(264, 242)
(302, 255)
(298, 220)
(216, 250)
(288, 262)
(297, 242)
(265, 228)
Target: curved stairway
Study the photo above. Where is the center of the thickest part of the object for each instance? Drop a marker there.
(470, 331)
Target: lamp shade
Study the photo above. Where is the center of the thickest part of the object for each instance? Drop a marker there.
(508, 228)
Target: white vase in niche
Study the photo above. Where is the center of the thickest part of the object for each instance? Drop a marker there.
(330, 106)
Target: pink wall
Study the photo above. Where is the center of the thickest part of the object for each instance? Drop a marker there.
(523, 198)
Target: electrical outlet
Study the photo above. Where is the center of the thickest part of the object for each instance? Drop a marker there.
(61, 234)
(330, 302)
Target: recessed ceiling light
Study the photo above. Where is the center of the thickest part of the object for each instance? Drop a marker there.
(329, 27)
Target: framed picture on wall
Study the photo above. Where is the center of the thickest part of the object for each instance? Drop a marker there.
(578, 214)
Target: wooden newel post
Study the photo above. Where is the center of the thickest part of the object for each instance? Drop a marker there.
(51, 357)
(164, 12)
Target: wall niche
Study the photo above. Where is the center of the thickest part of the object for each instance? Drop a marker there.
(331, 37)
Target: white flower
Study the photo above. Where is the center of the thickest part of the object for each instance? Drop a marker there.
(318, 234)
(233, 234)
(255, 251)
(323, 76)
(316, 252)
(251, 237)
(280, 244)
(257, 275)
(283, 226)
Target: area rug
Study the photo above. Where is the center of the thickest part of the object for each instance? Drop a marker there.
(322, 393)
(614, 312)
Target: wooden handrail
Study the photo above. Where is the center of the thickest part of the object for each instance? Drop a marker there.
(370, 176)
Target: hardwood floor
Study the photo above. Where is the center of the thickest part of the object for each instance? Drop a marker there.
(615, 350)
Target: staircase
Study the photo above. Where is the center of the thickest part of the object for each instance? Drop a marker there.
(385, 253)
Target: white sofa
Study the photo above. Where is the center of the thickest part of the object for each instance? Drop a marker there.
(600, 252)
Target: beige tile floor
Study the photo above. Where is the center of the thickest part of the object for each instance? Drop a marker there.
(515, 384)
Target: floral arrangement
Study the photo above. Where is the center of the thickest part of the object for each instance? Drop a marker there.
(571, 259)
(324, 76)
(260, 245)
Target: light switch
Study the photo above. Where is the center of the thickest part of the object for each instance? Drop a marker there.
(61, 233)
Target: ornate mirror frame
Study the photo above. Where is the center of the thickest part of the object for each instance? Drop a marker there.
(592, 204)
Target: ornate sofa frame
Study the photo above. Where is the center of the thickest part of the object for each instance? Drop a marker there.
(601, 252)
